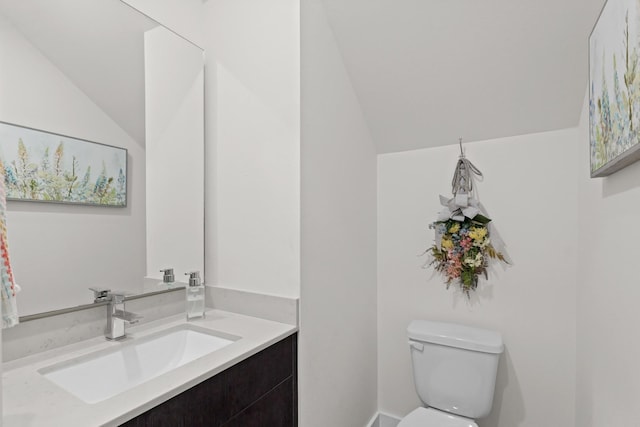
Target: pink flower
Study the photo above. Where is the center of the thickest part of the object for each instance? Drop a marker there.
(453, 272)
(454, 266)
(466, 243)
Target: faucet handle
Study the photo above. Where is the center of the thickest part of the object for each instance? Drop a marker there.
(119, 296)
(100, 294)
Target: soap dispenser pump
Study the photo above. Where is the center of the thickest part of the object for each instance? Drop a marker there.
(195, 296)
(168, 278)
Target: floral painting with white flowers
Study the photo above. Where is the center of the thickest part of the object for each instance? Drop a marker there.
(614, 87)
(48, 167)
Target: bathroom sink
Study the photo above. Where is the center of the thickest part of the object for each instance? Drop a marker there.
(104, 374)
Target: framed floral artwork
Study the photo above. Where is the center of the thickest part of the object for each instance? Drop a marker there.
(49, 167)
(614, 88)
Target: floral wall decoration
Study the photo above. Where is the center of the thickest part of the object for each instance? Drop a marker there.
(466, 241)
(48, 167)
(614, 88)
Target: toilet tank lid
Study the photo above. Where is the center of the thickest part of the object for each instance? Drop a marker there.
(458, 336)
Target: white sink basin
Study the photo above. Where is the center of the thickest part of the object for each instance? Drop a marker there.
(104, 374)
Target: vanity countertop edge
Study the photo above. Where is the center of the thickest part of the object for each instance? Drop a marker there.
(31, 400)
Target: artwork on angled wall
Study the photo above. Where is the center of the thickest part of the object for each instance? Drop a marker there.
(614, 88)
(48, 167)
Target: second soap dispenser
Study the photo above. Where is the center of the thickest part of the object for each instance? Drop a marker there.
(195, 296)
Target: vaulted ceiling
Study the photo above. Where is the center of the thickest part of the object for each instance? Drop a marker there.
(429, 71)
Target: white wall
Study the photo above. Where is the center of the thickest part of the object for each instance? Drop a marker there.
(337, 347)
(608, 291)
(530, 191)
(73, 247)
(181, 16)
(174, 154)
(252, 105)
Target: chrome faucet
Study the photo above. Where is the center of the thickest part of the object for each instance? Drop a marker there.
(117, 316)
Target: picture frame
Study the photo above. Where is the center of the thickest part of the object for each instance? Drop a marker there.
(614, 88)
(43, 166)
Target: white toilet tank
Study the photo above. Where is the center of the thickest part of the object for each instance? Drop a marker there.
(455, 366)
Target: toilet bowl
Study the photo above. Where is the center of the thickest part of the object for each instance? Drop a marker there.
(454, 371)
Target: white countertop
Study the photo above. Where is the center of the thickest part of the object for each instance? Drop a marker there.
(31, 400)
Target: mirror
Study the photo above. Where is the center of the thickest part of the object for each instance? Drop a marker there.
(100, 71)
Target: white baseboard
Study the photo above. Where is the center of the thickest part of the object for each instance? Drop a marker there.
(375, 421)
(383, 420)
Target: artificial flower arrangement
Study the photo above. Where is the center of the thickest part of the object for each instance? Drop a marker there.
(464, 252)
(466, 242)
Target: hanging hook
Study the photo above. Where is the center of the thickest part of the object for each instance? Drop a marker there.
(461, 152)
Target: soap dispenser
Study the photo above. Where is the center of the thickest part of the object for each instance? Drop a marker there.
(195, 296)
(168, 279)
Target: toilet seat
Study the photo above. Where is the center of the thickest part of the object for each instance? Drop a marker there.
(429, 417)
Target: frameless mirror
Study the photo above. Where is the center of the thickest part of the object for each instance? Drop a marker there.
(100, 72)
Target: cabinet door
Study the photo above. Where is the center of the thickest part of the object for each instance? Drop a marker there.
(273, 410)
(218, 399)
(261, 389)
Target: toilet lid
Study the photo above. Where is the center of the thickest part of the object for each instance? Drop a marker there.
(428, 417)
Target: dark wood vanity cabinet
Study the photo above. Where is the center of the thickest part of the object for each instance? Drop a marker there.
(260, 391)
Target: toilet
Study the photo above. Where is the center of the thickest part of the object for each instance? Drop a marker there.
(454, 370)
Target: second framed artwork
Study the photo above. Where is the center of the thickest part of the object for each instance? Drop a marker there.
(48, 167)
(614, 88)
